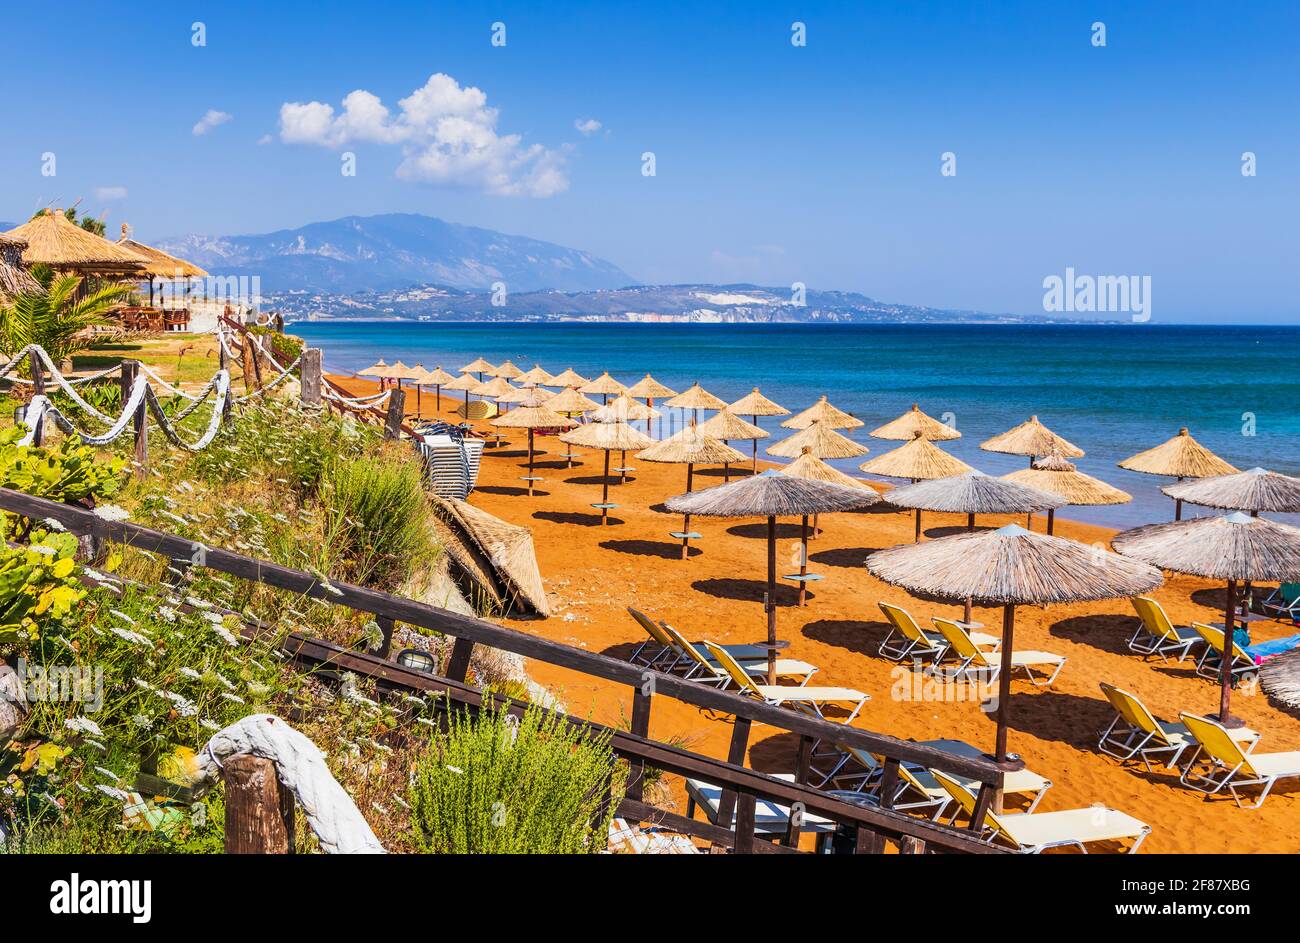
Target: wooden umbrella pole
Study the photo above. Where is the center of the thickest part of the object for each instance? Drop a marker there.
(771, 600)
(966, 609)
(1004, 681)
(418, 407)
(530, 463)
(649, 404)
(604, 496)
(437, 397)
(686, 518)
(803, 563)
(815, 529)
(1051, 520)
(1225, 660)
(918, 526)
(622, 466)
(754, 466)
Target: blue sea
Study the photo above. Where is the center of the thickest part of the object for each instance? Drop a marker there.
(1111, 389)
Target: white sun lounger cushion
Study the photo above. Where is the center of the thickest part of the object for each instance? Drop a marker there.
(1070, 825)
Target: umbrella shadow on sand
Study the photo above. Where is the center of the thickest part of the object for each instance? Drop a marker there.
(737, 471)
(649, 548)
(851, 558)
(1109, 633)
(852, 635)
(774, 754)
(594, 480)
(759, 531)
(1053, 715)
(948, 531)
(509, 490)
(748, 590)
(573, 517)
(508, 453)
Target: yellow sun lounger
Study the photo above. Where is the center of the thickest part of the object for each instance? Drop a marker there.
(1208, 667)
(660, 651)
(1156, 635)
(707, 670)
(778, 694)
(1236, 767)
(1034, 832)
(972, 660)
(1135, 732)
(906, 638)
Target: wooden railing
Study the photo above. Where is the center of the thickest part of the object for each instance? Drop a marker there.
(742, 787)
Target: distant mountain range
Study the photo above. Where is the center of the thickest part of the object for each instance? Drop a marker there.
(397, 251)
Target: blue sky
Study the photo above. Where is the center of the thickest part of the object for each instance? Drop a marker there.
(774, 163)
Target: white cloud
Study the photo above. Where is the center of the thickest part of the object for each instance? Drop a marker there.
(105, 194)
(264, 139)
(211, 119)
(447, 134)
(587, 126)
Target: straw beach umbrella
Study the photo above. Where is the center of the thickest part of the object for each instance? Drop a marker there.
(416, 375)
(570, 379)
(649, 389)
(437, 378)
(754, 404)
(918, 460)
(14, 279)
(1253, 490)
(532, 414)
(507, 371)
(824, 442)
(466, 382)
(771, 495)
(690, 446)
(808, 465)
(695, 398)
(624, 409)
(494, 388)
(400, 371)
(1180, 457)
(726, 426)
(1011, 567)
(913, 421)
(1280, 678)
(608, 437)
(822, 411)
(604, 385)
(1236, 548)
(378, 370)
(479, 366)
(1033, 439)
(1057, 475)
(569, 400)
(537, 377)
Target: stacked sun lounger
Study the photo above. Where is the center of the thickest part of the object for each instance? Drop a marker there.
(451, 464)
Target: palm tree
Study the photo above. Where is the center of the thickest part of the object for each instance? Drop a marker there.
(57, 316)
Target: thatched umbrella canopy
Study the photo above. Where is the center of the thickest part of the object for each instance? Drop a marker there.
(754, 404)
(532, 413)
(1253, 490)
(604, 385)
(518, 394)
(690, 446)
(378, 369)
(623, 407)
(1235, 548)
(822, 411)
(569, 400)
(808, 465)
(1180, 457)
(54, 240)
(771, 495)
(436, 378)
(499, 555)
(1280, 678)
(650, 389)
(608, 437)
(507, 371)
(494, 388)
(1033, 439)
(14, 279)
(824, 441)
(479, 366)
(1011, 567)
(695, 398)
(159, 265)
(972, 493)
(570, 379)
(537, 377)
(914, 421)
(466, 382)
(1056, 474)
(726, 425)
(918, 460)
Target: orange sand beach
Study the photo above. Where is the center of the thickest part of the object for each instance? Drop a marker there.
(594, 572)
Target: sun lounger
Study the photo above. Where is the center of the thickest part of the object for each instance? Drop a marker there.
(667, 650)
(1034, 832)
(769, 818)
(1156, 635)
(1283, 602)
(705, 668)
(1209, 664)
(972, 660)
(778, 694)
(906, 637)
(1135, 732)
(1234, 767)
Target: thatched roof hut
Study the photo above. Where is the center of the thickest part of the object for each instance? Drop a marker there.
(918, 460)
(159, 264)
(824, 442)
(755, 404)
(822, 411)
(1031, 438)
(54, 240)
(499, 556)
(1252, 490)
(14, 279)
(912, 423)
(1179, 457)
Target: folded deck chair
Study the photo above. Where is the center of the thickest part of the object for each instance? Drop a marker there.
(706, 669)
(1208, 665)
(1283, 601)
(907, 638)
(662, 652)
(1156, 635)
(1135, 732)
(777, 694)
(1034, 832)
(1234, 766)
(972, 660)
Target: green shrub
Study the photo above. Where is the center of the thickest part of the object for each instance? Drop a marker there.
(66, 472)
(495, 785)
(378, 520)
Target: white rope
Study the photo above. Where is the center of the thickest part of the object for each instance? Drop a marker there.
(17, 361)
(174, 390)
(333, 816)
(374, 400)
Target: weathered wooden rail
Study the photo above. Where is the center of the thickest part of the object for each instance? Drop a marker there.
(742, 787)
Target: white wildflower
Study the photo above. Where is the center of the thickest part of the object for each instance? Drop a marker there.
(111, 512)
(83, 725)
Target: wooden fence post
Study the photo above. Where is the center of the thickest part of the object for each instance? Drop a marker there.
(458, 663)
(396, 411)
(139, 422)
(386, 626)
(640, 726)
(736, 757)
(311, 376)
(248, 364)
(259, 810)
(38, 388)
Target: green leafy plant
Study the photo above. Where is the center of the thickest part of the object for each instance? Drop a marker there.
(67, 472)
(496, 785)
(58, 315)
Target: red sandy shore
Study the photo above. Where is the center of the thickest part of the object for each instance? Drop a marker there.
(594, 572)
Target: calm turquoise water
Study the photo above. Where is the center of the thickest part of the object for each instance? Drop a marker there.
(1111, 389)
